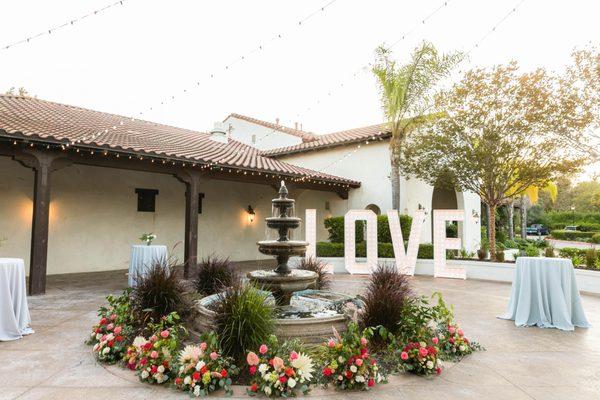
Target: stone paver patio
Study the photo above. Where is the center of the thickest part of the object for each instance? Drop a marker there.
(520, 363)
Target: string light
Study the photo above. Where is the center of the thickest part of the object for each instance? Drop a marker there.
(71, 22)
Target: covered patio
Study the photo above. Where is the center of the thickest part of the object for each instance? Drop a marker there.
(519, 363)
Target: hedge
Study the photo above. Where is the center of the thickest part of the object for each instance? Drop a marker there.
(384, 250)
(572, 235)
(596, 238)
(582, 226)
(335, 227)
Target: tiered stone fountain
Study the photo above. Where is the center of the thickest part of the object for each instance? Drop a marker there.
(302, 312)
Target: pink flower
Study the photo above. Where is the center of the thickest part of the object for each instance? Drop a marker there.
(164, 334)
(371, 382)
(110, 326)
(331, 343)
(277, 363)
(363, 341)
(460, 332)
(203, 346)
(214, 356)
(153, 338)
(117, 330)
(252, 370)
(404, 355)
(451, 329)
(293, 355)
(358, 362)
(263, 349)
(435, 340)
(252, 358)
(423, 352)
(154, 354)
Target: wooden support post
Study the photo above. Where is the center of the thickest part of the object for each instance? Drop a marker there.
(42, 163)
(191, 179)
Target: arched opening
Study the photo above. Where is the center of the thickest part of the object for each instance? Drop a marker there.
(375, 208)
(444, 198)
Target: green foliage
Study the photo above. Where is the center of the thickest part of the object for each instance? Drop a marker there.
(420, 319)
(158, 292)
(214, 274)
(328, 249)
(549, 252)
(335, 227)
(244, 319)
(500, 256)
(560, 219)
(532, 251)
(320, 268)
(385, 298)
(425, 251)
(119, 306)
(590, 258)
(384, 250)
(572, 235)
(595, 238)
(383, 228)
(511, 244)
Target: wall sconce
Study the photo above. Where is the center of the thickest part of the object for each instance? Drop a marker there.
(475, 216)
(251, 214)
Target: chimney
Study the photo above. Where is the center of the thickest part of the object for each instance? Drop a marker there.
(277, 121)
(219, 133)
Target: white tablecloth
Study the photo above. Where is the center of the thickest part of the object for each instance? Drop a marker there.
(544, 293)
(143, 257)
(14, 313)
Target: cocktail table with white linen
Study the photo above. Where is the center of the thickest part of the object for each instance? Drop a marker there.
(144, 257)
(544, 293)
(14, 311)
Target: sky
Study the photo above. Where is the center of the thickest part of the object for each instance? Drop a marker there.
(132, 57)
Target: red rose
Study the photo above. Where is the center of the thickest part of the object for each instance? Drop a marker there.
(327, 371)
(282, 379)
(224, 373)
(253, 370)
(254, 387)
(438, 370)
(103, 321)
(148, 346)
(98, 330)
(110, 343)
(143, 361)
(290, 372)
(203, 370)
(166, 364)
(348, 374)
(154, 369)
(196, 376)
(363, 351)
(371, 382)
(119, 338)
(178, 381)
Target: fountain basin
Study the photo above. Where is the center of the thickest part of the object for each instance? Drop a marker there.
(283, 285)
(321, 311)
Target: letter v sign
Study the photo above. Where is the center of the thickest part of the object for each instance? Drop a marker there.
(406, 261)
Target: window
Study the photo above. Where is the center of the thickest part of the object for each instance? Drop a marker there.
(200, 197)
(146, 199)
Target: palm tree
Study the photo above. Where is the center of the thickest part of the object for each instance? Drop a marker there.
(407, 93)
(529, 195)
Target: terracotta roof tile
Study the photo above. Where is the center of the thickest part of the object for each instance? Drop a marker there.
(306, 136)
(329, 140)
(44, 120)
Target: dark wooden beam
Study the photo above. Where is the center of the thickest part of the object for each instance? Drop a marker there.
(42, 163)
(192, 180)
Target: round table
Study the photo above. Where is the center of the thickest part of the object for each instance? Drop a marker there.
(144, 257)
(14, 312)
(544, 293)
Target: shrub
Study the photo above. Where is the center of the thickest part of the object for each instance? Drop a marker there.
(383, 228)
(385, 298)
(532, 251)
(425, 251)
(159, 292)
(572, 235)
(335, 227)
(318, 266)
(595, 238)
(384, 250)
(511, 244)
(549, 252)
(244, 319)
(588, 227)
(214, 274)
(590, 258)
(500, 256)
(420, 318)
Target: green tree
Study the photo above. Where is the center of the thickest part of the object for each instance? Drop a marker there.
(18, 92)
(407, 93)
(503, 132)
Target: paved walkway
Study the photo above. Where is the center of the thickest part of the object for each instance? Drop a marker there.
(520, 363)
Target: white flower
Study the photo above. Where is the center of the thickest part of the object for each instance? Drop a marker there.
(98, 336)
(187, 380)
(340, 378)
(106, 350)
(145, 374)
(353, 368)
(197, 391)
(200, 365)
(139, 341)
(340, 359)
(110, 337)
(161, 369)
(262, 368)
(291, 382)
(96, 347)
(359, 378)
(429, 364)
(304, 366)
(462, 347)
(268, 390)
(189, 352)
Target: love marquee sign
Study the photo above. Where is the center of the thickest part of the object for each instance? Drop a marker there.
(406, 259)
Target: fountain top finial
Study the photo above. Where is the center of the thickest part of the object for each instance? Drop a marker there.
(283, 192)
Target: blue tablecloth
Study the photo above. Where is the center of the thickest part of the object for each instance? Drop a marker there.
(144, 257)
(544, 293)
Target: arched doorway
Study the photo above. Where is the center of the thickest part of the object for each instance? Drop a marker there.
(375, 208)
(444, 198)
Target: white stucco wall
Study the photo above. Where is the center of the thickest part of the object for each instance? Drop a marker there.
(266, 138)
(94, 218)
